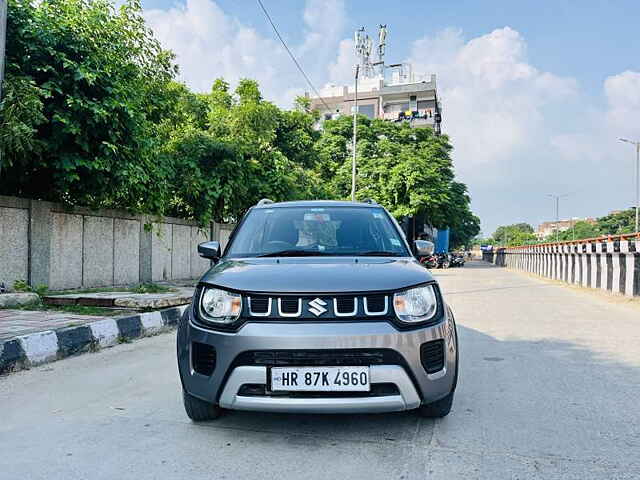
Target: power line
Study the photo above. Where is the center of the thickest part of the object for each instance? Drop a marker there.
(291, 54)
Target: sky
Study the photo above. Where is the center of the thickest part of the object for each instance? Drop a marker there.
(535, 94)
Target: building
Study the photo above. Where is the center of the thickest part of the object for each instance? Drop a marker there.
(390, 92)
(545, 229)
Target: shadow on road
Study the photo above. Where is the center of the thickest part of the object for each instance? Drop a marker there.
(536, 409)
(550, 400)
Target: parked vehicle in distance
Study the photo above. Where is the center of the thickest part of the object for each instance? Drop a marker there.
(457, 259)
(430, 261)
(444, 261)
(318, 307)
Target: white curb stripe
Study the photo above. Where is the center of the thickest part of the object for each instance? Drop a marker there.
(151, 322)
(40, 347)
(105, 332)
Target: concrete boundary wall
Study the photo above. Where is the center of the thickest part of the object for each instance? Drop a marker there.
(612, 266)
(45, 243)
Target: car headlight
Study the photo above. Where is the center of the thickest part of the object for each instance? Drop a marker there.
(219, 306)
(416, 305)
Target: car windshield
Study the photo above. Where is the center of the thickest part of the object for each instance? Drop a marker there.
(311, 231)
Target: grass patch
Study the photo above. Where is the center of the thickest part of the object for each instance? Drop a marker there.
(73, 309)
(141, 288)
(151, 288)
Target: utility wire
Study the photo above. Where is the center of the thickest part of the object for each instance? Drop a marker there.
(291, 54)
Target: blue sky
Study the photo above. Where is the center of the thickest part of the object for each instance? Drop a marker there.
(535, 93)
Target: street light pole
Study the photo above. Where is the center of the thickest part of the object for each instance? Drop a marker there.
(557, 198)
(355, 123)
(637, 145)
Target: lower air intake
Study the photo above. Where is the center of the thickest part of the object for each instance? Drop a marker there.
(432, 356)
(203, 358)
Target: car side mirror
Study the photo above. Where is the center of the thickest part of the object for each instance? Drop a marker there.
(424, 248)
(210, 250)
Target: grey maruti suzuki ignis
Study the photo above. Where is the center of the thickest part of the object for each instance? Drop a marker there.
(318, 307)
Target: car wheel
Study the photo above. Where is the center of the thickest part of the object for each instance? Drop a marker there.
(199, 410)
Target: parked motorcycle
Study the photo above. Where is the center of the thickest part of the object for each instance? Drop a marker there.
(430, 261)
(444, 261)
(457, 260)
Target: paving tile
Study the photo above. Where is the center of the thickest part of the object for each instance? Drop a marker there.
(21, 322)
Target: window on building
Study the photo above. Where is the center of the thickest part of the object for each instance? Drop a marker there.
(367, 110)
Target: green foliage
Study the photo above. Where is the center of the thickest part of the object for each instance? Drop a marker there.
(232, 148)
(514, 235)
(85, 88)
(618, 223)
(21, 286)
(579, 231)
(41, 289)
(21, 113)
(151, 288)
(409, 171)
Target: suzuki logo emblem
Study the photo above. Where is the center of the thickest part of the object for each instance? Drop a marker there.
(316, 306)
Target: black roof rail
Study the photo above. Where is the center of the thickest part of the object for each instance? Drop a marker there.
(264, 201)
(370, 201)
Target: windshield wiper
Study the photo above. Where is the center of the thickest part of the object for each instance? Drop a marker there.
(379, 253)
(295, 253)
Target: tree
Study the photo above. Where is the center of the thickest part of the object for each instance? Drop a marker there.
(239, 149)
(86, 88)
(407, 170)
(580, 230)
(514, 235)
(618, 223)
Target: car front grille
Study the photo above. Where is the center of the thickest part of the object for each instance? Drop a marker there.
(289, 305)
(260, 305)
(317, 307)
(345, 305)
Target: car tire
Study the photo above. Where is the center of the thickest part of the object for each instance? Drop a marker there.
(199, 410)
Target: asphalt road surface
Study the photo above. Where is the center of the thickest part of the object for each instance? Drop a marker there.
(549, 388)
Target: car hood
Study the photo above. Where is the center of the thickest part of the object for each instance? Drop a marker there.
(317, 274)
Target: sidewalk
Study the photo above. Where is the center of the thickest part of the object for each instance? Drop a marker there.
(123, 299)
(14, 323)
(33, 337)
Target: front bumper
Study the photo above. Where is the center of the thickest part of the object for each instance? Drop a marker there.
(414, 385)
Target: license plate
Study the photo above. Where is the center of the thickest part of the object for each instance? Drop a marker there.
(320, 379)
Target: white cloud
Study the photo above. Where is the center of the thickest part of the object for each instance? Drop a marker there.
(209, 43)
(341, 70)
(520, 133)
(493, 99)
(325, 21)
(623, 97)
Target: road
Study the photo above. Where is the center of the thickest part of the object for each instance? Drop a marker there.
(549, 388)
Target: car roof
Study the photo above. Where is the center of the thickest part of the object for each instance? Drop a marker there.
(318, 203)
